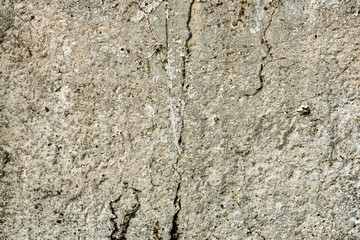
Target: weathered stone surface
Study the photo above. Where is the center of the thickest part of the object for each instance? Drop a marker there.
(180, 119)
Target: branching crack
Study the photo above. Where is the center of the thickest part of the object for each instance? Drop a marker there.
(116, 230)
(122, 225)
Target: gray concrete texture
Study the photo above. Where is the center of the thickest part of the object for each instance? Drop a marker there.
(180, 119)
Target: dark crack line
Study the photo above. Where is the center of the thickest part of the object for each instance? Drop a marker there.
(268, 54)
(261, 80)
(184, 60)
(119, 233)
(264, 63)
(174, 234)
(187, 48)
(116, 230)
(268, 46)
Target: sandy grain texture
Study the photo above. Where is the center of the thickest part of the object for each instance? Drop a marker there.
(179, 119)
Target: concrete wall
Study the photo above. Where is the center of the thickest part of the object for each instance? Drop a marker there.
(180, 119)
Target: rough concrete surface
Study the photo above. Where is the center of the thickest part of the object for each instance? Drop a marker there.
(180, 119)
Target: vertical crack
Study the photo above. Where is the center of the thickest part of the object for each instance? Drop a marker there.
(264, 59)
(167, 29)
(184, 59)
(187, 48)
(268, 54)
(177, 104)
(266, 42)
(113, 219)
(174, 234)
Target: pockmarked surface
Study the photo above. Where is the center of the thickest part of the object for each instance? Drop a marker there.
(179, 119)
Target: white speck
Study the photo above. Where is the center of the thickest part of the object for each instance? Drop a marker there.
(214, 177)
(354, 220)
(149, 110)
(149, 7)
(155, 78)
(138, 17)
(259, 17)
(64, 90)
(334, 2)
(256, 29)
(66, 48)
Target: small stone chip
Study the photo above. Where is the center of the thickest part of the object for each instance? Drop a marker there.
(304, 110)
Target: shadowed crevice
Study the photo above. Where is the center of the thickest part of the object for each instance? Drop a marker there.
(174, 234)
(121, 225)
